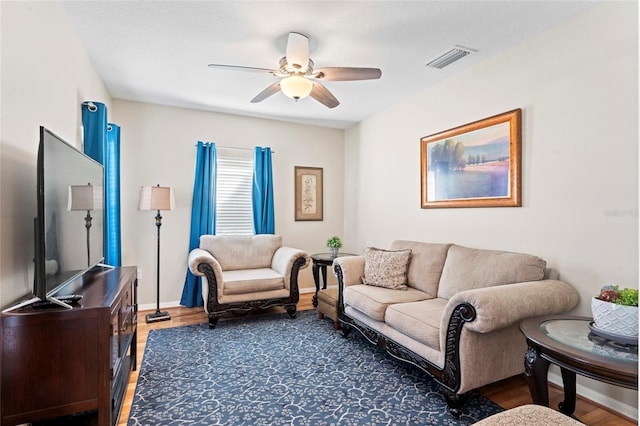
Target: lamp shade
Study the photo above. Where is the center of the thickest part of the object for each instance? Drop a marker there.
(296, 87)
(85, 197)
(156, 198)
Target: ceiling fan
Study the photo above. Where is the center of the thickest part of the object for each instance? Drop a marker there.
(299, 79)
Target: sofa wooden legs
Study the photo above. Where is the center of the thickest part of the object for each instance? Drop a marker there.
(213, 321)
(213, 318)
(336, 324)
(455, 401)
(291, 310)
(346, 329)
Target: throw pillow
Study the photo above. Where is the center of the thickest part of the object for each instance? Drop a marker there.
(386, 268)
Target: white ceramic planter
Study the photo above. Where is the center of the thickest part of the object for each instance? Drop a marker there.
(614, 318)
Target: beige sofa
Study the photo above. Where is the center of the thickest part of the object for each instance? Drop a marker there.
(458, 318)
(246, 272)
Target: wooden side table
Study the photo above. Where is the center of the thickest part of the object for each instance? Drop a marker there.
(320, 263)
(566, 341)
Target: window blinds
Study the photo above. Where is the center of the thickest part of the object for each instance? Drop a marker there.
(234, 215)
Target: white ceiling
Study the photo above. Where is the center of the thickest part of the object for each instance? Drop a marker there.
(158, 52)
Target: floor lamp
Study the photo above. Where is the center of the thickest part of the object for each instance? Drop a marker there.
(85, 198)
(157, 198)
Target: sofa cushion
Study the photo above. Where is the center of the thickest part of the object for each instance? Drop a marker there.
(386, 268)
(251, 281)
(529, 415)
(418, 320)
(241, 251)
(373, 301)
(466, 268)
(425, 268)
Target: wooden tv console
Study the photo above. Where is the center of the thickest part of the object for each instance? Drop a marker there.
(58, 362)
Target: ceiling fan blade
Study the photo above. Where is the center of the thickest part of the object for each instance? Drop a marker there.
(274, 88)
(347, 73)
(241, 68)
(323, 95)
(297, 53)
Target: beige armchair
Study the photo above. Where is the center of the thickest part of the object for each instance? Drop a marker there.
(241, 273)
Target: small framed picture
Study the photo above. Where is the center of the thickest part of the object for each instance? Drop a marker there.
(308, 193)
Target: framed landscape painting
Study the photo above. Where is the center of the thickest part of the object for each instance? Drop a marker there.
(474, 165)
(308, 193)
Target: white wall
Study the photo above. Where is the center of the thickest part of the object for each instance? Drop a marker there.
(158, 147)
(45, 76)
(578, 87)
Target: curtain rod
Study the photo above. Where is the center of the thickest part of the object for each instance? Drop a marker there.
(233, 147)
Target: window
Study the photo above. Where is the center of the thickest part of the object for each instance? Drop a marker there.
(234, 180)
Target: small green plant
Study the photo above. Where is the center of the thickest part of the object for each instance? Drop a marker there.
(334, 242)
(613, 294)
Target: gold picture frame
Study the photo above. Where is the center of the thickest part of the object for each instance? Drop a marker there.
(474, 165)
(308, 193)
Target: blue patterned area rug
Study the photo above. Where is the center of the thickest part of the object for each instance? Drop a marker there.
(272, 370)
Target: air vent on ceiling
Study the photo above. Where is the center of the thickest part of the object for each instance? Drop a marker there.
(449, 57)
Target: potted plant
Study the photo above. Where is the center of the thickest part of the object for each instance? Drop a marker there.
(615, 310)
(334, 243)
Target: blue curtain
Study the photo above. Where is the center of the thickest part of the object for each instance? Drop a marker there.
(262, 195)
(203, 216)
(112, 196)
(94, 122)
(103, 145)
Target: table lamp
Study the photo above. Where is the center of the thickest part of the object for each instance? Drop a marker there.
(85, 197)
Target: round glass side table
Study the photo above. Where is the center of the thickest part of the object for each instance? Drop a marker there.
(567, 342)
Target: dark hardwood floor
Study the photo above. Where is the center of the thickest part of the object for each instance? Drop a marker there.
(508, 393)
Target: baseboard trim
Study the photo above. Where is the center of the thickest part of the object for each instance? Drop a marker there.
(163, 305)
(598, 398)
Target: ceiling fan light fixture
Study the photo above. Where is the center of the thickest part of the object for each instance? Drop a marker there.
(296, 87)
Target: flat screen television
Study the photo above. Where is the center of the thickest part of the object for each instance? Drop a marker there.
(69, 228)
